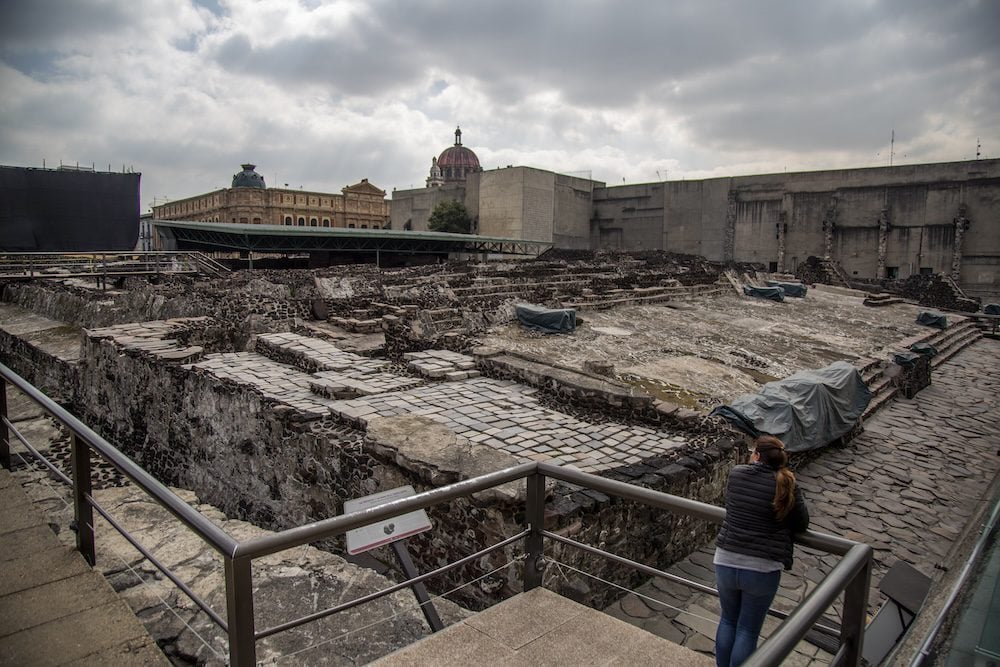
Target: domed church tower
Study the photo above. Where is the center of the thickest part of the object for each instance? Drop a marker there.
(455, 163)
(248, 178)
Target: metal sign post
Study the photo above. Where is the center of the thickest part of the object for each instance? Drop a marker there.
(394, 532)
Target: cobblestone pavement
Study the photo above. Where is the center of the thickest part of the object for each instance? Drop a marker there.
(509, 417)
(501, 414)
(907, 486)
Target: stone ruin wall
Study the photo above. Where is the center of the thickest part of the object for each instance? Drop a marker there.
(266, 463)
(263, 463)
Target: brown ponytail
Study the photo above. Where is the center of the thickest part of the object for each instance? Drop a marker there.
(771, 452)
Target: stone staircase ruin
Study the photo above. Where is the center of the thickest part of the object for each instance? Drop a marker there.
(961, 333)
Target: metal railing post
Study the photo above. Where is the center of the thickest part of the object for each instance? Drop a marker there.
(82, 510)
(239, 612)
(852, 630)
(534, 563)
(4, 433)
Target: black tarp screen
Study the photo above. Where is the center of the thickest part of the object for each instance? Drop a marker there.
(50, 210)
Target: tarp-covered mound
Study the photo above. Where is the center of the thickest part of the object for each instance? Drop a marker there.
(931, 319)
(772, 293)
(791, 289)
(807, 410)
(992, 309)
(546, 320)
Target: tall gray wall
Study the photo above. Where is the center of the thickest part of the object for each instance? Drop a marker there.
(775, 219)
(741, 218)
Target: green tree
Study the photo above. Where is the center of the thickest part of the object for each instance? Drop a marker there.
(451, 216)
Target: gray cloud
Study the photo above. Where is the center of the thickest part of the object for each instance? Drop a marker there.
(326, 94)
(31, 23)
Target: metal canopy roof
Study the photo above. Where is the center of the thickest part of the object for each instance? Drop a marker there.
(281, 238)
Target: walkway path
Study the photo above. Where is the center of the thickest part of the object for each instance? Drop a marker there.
(55, 609)
(907, 486)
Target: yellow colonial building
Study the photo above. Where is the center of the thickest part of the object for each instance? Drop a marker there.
(250, 202)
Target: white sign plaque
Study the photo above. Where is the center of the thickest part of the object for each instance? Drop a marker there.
(388, 530)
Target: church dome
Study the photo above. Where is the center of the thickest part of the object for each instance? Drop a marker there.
(248, 178)
(457, 161)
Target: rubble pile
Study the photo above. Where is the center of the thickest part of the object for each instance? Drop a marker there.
(815, 270)
(937, 291)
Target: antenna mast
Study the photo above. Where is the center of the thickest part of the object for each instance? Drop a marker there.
(892, 145)
(979, 146)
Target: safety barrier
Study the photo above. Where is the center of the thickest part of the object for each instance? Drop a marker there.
(850, 576)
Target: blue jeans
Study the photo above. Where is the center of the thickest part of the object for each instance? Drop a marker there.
(745, 596)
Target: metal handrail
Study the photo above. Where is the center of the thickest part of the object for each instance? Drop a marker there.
(315, 616)
(851, 575)
(14, 265)
(214, 536)
(654, 572)
(294, 537)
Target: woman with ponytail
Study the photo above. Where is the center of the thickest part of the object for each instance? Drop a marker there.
(764, 509)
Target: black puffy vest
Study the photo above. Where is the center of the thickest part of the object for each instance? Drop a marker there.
(750, 527)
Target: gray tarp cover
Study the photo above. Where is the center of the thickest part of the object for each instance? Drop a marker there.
(992, 309)
(546, 320)
(807, 410)
(931, 319)
(791, 289)
(772, 293)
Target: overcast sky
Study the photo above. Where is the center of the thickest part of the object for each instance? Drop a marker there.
(322, 94)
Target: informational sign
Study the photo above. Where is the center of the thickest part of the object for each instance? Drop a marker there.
(386, 531)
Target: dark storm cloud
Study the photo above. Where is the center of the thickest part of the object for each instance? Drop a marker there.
(33, 23)
(789, 75)
(327, 92)
(360, 66)
(605, 54)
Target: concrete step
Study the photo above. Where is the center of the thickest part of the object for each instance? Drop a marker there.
(955, 347)
(880, 385)
(55, 609)
(542, 628)
(880, 401)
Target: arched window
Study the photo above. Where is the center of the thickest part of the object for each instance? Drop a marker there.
(256, 221)
(313, 222)
(374, 226)
(243, 221)
(326, 222)
(302, 221)
(364, 226)
(350, 226)
(288, 219)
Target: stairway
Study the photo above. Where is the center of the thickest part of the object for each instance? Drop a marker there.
(963, 332)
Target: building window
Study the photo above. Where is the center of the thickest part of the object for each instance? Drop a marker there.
(256, 221)
(350, 226)
(374, 226)
(326, 222)
(302, 221)
(772, 267)
(313, 222)
(234, 221)
(364, 226)
(892, 272)
(243, 221)
(288, 219)
(926, 271)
